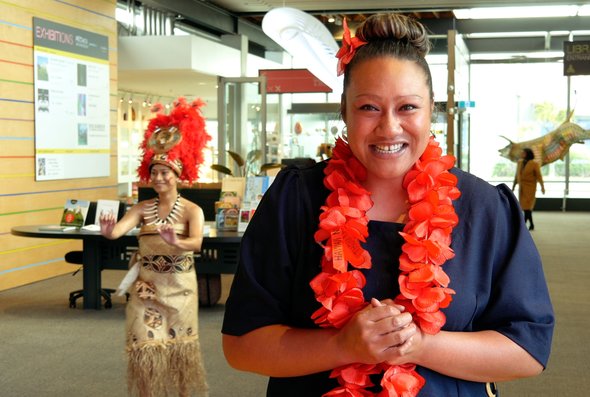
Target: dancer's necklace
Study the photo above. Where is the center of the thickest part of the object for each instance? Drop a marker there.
(152, 217)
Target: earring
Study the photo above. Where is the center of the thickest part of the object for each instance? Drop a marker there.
(344, 134)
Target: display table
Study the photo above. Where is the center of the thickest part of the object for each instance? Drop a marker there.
(219, 254)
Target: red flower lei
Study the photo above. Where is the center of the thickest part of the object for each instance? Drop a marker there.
(423, 283)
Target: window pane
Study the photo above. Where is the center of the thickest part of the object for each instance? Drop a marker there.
(523, 102)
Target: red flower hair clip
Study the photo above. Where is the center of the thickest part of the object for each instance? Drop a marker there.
(348, 49)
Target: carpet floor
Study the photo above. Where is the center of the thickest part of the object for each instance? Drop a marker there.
(50, 350)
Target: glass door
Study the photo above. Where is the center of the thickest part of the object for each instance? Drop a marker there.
(242, 127)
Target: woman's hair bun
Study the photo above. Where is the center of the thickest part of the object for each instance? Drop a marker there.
(395, 27)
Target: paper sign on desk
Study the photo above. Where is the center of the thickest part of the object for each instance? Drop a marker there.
(106, 207)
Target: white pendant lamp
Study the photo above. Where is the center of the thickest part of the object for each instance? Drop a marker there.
(306, 39)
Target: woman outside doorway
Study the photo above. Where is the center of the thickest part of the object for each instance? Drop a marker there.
(528, 173)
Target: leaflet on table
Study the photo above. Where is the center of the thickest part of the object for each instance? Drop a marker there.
(246, 214)
(231, 198)
(226, 211)
(74, 213)
(233, 184)
(106, 207)
(256, 186)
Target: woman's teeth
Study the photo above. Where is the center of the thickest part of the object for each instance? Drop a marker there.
(389, 148)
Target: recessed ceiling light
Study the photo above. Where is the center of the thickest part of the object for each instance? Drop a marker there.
(516, 12)
(513, 55)
(499, 35)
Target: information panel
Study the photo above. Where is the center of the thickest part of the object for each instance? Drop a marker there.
(576, 58)
(72, 127)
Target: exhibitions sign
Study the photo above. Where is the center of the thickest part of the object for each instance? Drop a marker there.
(576, 58)
(283, 81)
(72, 127)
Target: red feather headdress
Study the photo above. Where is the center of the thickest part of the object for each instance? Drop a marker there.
(176, 139)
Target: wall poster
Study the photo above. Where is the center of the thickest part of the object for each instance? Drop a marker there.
(72, 127)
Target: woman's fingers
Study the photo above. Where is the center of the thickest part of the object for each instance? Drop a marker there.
(387, 318)
(107, 218)
(378, 333)
(387, 302)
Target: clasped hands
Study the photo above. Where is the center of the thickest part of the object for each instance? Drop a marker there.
(381, 332)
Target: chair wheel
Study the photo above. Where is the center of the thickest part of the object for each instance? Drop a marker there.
(108, 304)
(72, 304)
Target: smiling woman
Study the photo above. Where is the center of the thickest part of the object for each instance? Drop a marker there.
(375, 258)
(387, 133)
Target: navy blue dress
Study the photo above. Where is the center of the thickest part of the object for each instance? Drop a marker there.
(496, 273)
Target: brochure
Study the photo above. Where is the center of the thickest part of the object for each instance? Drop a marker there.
(75, 212)
(256, 186)
(106, 207)
(234, 184)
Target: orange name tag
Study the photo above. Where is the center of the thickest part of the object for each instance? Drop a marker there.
(338, 250)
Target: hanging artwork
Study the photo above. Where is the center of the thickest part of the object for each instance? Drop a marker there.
(549, 147)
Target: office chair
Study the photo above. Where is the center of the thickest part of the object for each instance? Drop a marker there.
(76, 257)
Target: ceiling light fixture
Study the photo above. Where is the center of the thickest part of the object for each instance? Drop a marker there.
(501, 35)
(517, 12)
(307, 40)
(515, 55)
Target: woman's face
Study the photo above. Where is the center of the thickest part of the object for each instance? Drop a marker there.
(163, 178)
(387, 112)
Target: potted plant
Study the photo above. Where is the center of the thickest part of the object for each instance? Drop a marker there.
(245, 167)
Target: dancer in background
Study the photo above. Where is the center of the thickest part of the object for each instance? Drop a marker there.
(162, 313)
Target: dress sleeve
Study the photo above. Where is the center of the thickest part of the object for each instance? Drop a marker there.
(517, 174)
(539, 175)
(262, 287)
(519, 305)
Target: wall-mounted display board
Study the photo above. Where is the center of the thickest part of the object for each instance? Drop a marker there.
(72, 128)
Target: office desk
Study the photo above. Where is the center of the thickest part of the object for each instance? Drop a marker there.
(219, 254)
